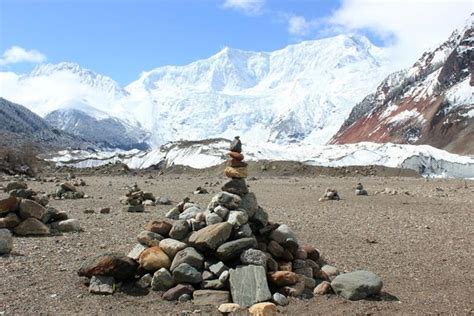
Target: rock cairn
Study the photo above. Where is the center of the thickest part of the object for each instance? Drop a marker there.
(229, 255)
(135, 199)
(359, 190)
(330, 194)
(29, 215)
(68, 191)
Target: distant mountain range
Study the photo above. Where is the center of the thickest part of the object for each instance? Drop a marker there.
(316, 92)
(430, 103)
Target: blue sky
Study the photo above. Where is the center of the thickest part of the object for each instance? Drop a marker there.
(125, 37)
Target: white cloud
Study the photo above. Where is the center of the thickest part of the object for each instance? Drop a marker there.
(409, 27)
(298, 25)
(16, 54)
(250, 7)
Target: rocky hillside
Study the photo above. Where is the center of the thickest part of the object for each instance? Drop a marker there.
(430, 103)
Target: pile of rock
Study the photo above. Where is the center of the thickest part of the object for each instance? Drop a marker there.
(359, 190)
(67, 190)
(330, 194)
(236, 169)
(20, 190)
(135, 199)
(229, 255)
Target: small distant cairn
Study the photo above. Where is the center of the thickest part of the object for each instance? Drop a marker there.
(330, 194)
(228, 255)
(66, 190)
(26, 213)
(359, 190)
(135, 199)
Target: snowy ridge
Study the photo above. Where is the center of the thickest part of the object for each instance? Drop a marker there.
(425, 159)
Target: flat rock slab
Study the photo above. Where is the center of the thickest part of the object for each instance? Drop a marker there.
(234, 248)
(102, 285)
(211, 237)
(248, 285)
(357, 285)
(211, 297)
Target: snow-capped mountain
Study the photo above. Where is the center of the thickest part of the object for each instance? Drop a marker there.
(430, 103)
(301, 93)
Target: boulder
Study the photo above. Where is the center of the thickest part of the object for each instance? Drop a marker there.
(280, 299)
(149, 238)
(263, 309)
(248, 285)
(172, 246)
(6, 241)
(249, 203)
(162, 280)
(159, 227)
(221, 211)
(213, 218)
(8, 205)
(29, 208)
(282, 233)
(154, 258)
(236, 186)
(357, 285)
(237, 218)
(211, 297)
(234, 248)
(120, 267)
(254, 256)
(179, 230)
(68, 225)
(211, 237)
(228, 200)
(175, 292)
(188, 255)
(185, 273)
(31, 227)
(189, 213)
(102, 285)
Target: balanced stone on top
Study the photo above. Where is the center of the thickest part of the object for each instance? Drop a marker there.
(236, 169)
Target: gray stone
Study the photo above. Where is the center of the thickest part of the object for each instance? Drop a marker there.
(185, 273)
(149, 238)
(238, 218)
(162, 280)
(243, 231)
(249, 203)
(207, 275)
(145, 281)
(218, 268)
(188, 255)
(175, 292)
(185, 298)
(164, 200)
(172, 246)
(136, 251)
(221, 211)
(236, 186)
(282, 233)
(299, 264)
(248, 285)
(331, 271)
(16, 186)
(102, 285)
(261, 216)
(173, 213)
(6, 241)
(211, 237)
(189, 213)
(306, 271)
(213, 284)
(210, 297)
(280, 299)
(357, 285)
(213, 218)
(134, 208)
(179, 230)
(309, 282)
(224, 276)
(234, 248)
(254, 256)
(69, 225)
(149, 196)
(228, 200)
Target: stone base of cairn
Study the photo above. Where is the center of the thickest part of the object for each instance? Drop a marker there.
(229, 255)
(25, 213)
(359, 190)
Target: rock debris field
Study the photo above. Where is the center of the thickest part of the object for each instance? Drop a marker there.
(414, 235)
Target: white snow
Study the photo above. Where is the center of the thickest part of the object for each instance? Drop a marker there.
(427, 160)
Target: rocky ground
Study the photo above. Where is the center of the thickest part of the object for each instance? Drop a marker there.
(418, 236)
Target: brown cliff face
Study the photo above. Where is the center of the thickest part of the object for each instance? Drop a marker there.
(431, 103)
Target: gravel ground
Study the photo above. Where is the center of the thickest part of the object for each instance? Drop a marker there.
(420, 241)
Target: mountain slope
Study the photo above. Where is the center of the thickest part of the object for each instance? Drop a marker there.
(430, 103)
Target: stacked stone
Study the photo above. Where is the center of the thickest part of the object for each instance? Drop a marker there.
(135, 199)
(359, 190)
(67, 191)
(229, 255)
(330, 194)
(236, 170)
(27, 217)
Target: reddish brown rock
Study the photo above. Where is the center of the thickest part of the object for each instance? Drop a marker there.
(236, 163)
(235, 155)
(9, 221)
(31, 227)
(159, 227)
(29, 208)
(312, 253)
(275, 249)
(118, 266)
(8, 205)
(175, 292)
(282, 278)
(323, 288)
(154, 258)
